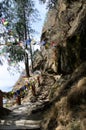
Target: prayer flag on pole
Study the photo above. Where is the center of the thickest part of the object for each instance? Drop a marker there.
(42, 43)
(5, 23)
(28, 41)
(33, 42)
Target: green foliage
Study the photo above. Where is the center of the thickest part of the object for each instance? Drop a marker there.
(26, 14)
(50, 3)
(20, 29)
(0, 9)
(16, 53)
(9, 12)
(20, 14)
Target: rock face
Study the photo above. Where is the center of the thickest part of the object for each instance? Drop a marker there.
(38, 60)
(68, 108)
(64, 33)
(65, 49)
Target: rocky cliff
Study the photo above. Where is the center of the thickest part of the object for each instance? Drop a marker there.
(67, 107)
(64, 53)
(64, 33)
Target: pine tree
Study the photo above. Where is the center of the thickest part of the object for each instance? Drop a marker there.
(20, 14)
(25, 13)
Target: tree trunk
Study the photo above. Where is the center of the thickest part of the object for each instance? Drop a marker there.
(31, 57)
(26, 55)
(27, 65)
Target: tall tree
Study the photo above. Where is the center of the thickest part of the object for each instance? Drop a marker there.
(20, 19)
(25, 13)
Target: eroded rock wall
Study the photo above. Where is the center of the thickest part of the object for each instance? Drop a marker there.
(65, 26)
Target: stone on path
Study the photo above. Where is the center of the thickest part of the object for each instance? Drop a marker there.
(20, 124)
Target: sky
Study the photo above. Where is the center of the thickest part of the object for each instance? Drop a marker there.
(7, 79)
(39, 24)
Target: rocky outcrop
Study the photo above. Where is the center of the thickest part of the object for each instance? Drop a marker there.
(65, 27)
(68, 103)
(38, 60)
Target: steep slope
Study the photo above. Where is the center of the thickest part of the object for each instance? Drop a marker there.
(64, 51)
(67, 110)
(64, 34)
